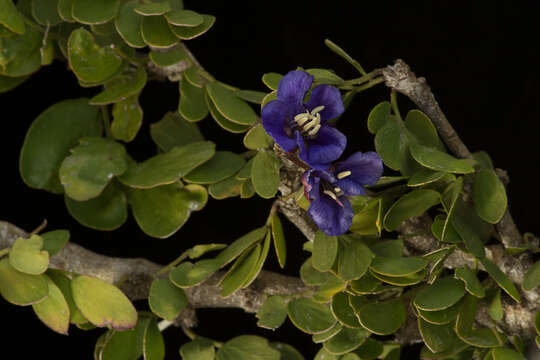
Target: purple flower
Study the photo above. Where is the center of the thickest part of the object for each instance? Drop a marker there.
(293, 123)
(328, 190)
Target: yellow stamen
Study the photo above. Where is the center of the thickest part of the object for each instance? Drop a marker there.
(337, 190)
(331, 194)
(317, 110)
(314, 130)
(343, 174)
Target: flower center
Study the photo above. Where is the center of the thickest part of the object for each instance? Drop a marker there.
(309, 122)
(333, 192)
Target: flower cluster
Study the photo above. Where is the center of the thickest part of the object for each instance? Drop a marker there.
(298, 125)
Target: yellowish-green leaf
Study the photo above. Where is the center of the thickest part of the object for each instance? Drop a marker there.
(166, 300)
(19, 288)
(27, 257)
(53, 311)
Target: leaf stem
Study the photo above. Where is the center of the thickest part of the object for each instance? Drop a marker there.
(172, 264)
(106, 121)
(393, 101)
(364, 78)
(40, 228)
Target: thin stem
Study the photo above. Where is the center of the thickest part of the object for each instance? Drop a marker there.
(192, 335)
(393, 101)
(363, 79)
(370, 84)
(40, 228)
(106, 121)
(175, 262)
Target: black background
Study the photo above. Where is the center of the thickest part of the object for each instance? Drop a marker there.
(480, 59)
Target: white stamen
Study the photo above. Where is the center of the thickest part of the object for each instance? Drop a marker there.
(314, 130)
(301, 116)
(337, 190)
(310, 124)
(343, 174)
(317, 110)
(331, 194)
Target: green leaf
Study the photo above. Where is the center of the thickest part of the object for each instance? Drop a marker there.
(191, 32)
(323, 354)
(309, 316)
(436, 337)
(127, 344)
(229, 187)
(91, 166)
(346, 340)
(163, 210)
(256, 269)
(247, 347)
(265, 174)
(8, 83)
(369, 350)
(223, 165)
(367, 284)
(287, 351)
(378, 116)
(325, 250)
(402, 280)
(170, 57)
(489, 196)
(269, 97)
(252, 96)
(184, 18)
(240, 271)
(19, 288)
(279, 240)
(53, 311)
(271, 80)
(108, 211)
(532, 277)
(328, 334)
(388, 248)
(239, 245)
(437, 160)
(90, 62)
(187, 274)
(421, 127)
(49, 139)
(495, 309)
(65, 10)
(467, 228)
(45, 12)
(472, 284)
(365, 221)
(121, 87)
(54, 241)
(155, 32)
(192, 105)
(21, 54)
(192, 75)
(383, 318)
(166, 300)
(484, 337)
(391, 144)
(441, 317)
(340, 52)
(198, 349)
(504, 353)
(411, 204)
(128, 24)
(173, 130)
(199, 250)
(354, 259)
(94, 11)
(442, 294)
(257, 138)
(169, 167)
(103, 304)
(246, 189)
(153, 344)
(324, 76)
(311, 276)
(449, 198)
(229, 105)
(424, 177)
(343, 312)
(223, 121)
(153, 8)
(10, 17)
(451, 234)
(64, 284)
(398, 267)
(127, 119)
(26, 255)
(273, 313)
(501, 279)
